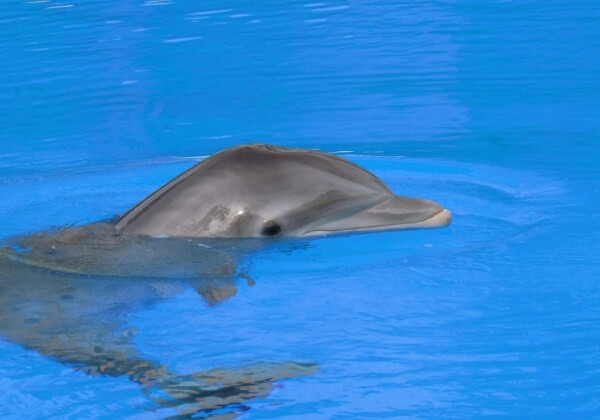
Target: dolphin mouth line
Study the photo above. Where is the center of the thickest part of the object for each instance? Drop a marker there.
(440, 219)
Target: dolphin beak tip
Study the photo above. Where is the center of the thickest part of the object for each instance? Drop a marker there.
(445, 217)
(441, 219)
(448, 216)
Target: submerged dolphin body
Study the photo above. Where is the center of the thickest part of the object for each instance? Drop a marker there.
(68, 293)
(263, 190)
(81, 320)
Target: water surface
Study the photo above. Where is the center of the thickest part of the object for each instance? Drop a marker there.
(490, 109)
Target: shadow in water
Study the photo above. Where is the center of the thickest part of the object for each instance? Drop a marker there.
(67, 294)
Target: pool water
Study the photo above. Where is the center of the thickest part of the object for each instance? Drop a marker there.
(489, 109)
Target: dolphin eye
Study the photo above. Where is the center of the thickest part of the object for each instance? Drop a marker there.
(271, 228)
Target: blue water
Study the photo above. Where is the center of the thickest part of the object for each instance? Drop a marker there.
(491, 109)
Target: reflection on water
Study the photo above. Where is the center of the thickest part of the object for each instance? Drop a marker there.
(200, 77)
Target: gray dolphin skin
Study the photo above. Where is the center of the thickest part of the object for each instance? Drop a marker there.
(263, 190)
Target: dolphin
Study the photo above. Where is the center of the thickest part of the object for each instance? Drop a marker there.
(261, 190)
(68, 293)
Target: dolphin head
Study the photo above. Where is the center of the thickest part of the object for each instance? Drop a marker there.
(269, 191)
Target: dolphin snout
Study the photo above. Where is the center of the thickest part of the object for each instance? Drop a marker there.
(405, 212)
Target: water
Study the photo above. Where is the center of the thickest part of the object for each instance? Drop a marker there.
(490, 109)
